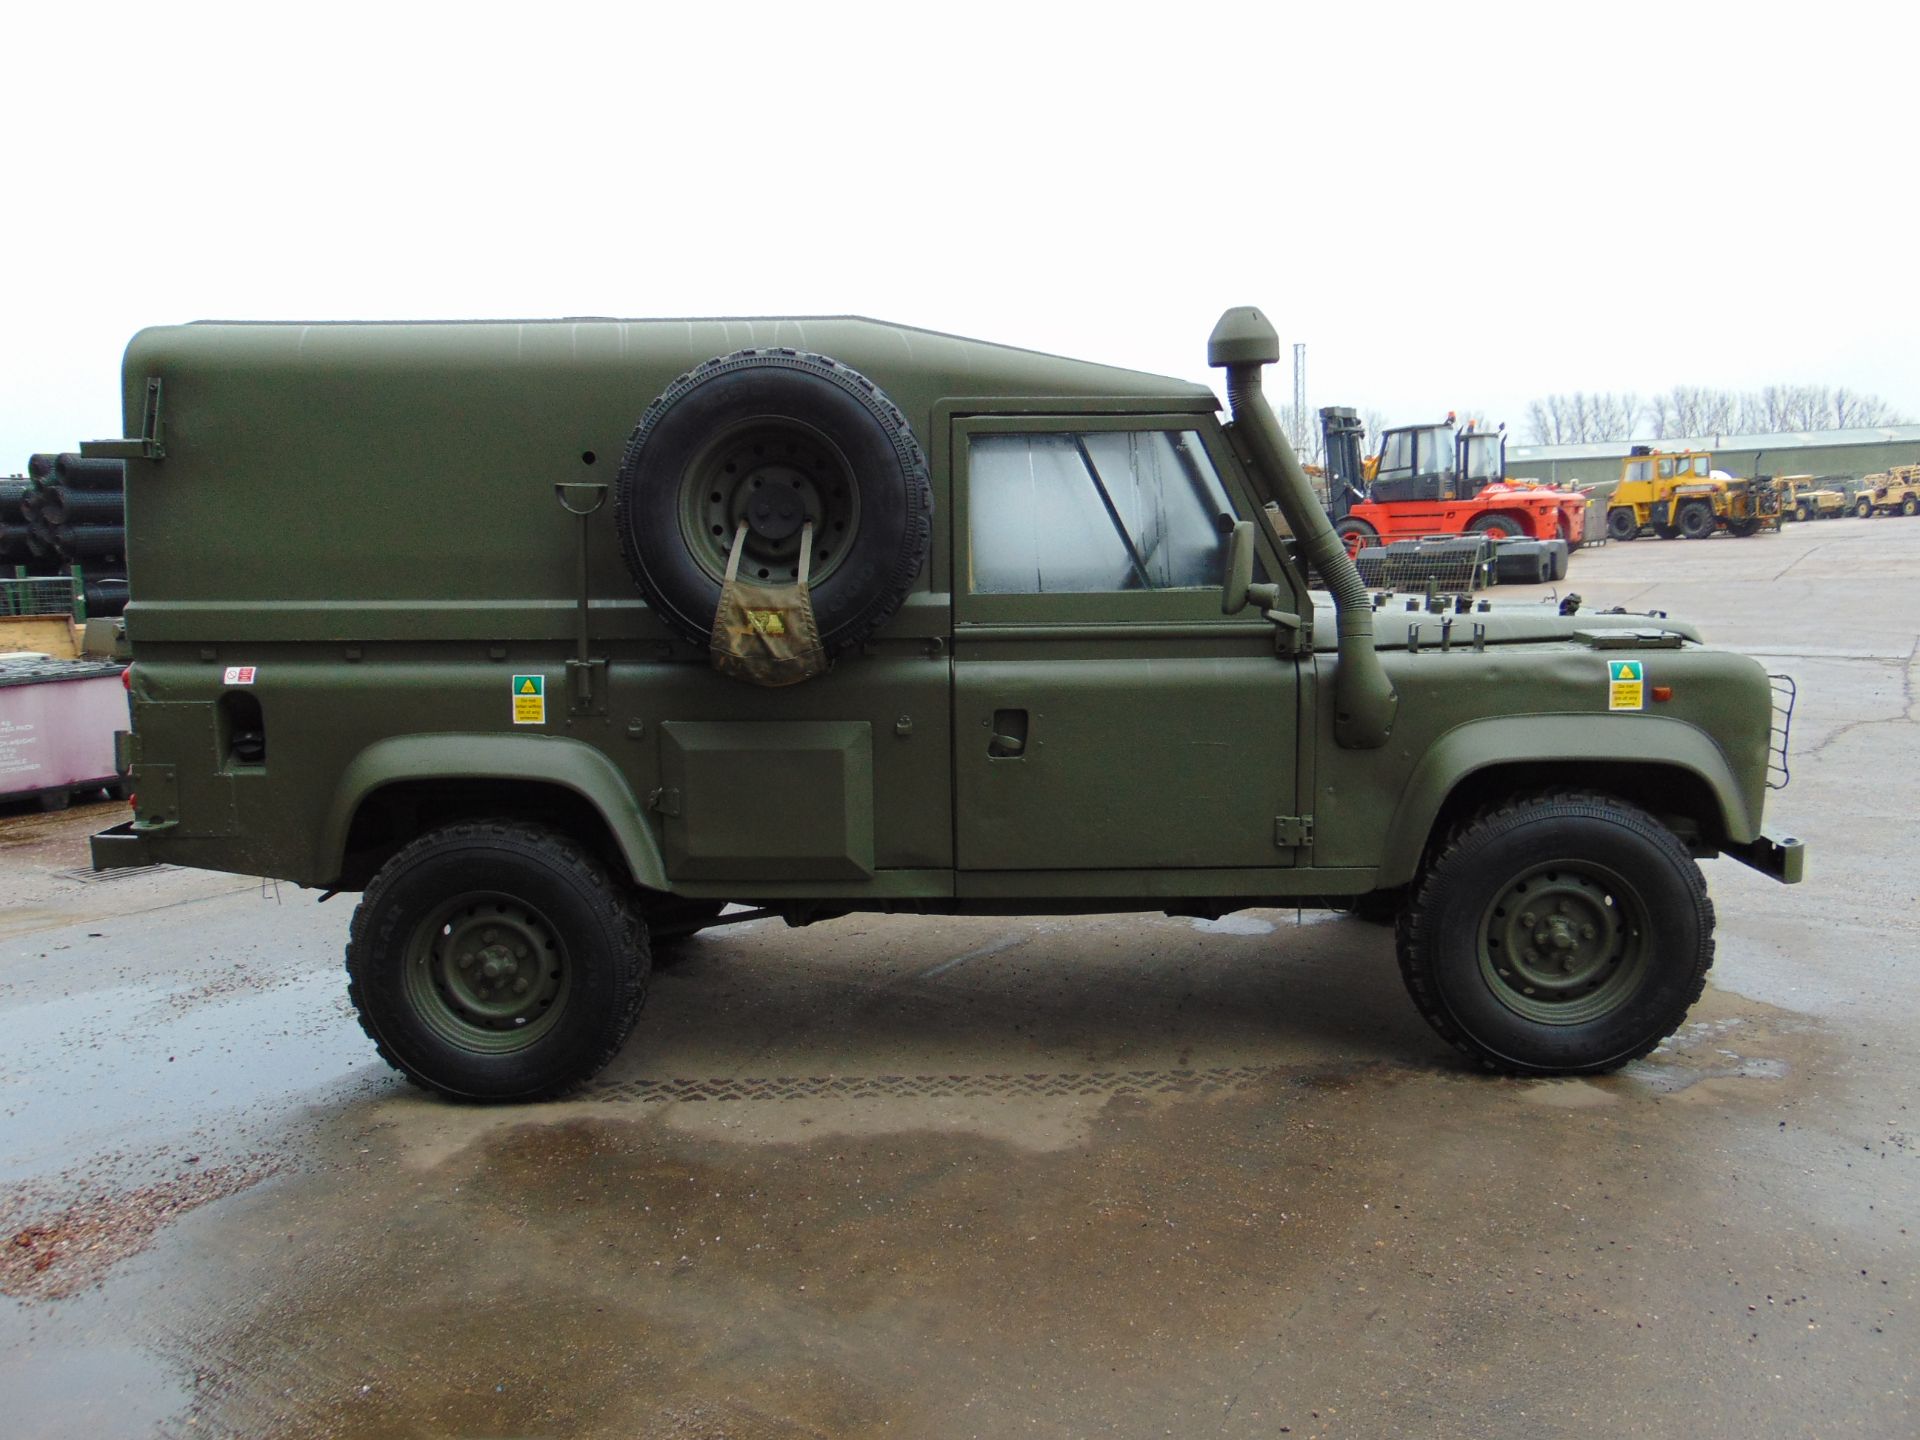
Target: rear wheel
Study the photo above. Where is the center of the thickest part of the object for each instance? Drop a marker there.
(1557, 933)
(1910, 506)
(1695, 520)
(1740, 529)
(1621, 525)
(495, 960)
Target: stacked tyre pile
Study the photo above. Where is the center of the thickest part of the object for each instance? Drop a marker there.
(70, 511)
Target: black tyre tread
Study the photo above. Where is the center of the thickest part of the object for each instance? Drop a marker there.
(1415, 966)
(1628, 532)
(558, 848)
(1695, 508)
(1481, 524)
(915, 543)
(1351, 525)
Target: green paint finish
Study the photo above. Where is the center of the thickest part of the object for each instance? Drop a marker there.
(366, 514)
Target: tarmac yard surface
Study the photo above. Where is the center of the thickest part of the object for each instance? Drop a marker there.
(1129, 1176)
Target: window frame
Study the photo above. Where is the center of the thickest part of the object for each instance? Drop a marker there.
(1200, 603)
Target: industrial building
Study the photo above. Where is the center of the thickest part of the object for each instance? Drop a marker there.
(1831, 454)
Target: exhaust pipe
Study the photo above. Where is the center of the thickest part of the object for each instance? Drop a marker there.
(1364, 701)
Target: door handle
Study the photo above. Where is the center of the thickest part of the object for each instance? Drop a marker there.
(1008, 740)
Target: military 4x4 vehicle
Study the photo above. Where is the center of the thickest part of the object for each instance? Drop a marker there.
(1803, 498)
(1051, 644)
(1891, 492)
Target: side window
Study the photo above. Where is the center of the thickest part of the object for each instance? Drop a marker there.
(1094, 511)
(1396, 453)
(1666, 469)
(1638, 470)
(1700, 466)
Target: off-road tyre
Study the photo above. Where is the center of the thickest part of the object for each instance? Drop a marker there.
(1498, 527)
(1741, 529)
(441, 892)
(829, 435)
(1864, 509)
(1910, 507)
(1621, 525)
(1596, 855)
(1802, 513)
(1355, 535)
(1695, 520)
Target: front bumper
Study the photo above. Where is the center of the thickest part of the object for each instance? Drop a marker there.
(1785, 859)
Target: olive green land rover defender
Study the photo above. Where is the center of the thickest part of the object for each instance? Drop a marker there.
(1037, 637)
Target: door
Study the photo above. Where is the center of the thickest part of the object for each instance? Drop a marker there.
(1107, 716)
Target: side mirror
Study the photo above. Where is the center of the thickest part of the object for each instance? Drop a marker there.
(1238, 587)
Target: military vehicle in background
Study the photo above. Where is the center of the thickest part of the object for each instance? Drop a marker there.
(1055, 652)
(1681, 494)
(1437, 480)
(1803, 498)
(1889, 492)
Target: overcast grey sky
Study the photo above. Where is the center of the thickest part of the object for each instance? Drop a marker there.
(1452, 206)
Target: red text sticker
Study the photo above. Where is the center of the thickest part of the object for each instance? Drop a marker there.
(239, 675)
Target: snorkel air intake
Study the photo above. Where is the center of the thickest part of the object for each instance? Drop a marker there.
(1363, 698)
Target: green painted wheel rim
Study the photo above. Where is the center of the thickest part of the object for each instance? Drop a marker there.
(1565, 943)
(487, 973)
(733, 480)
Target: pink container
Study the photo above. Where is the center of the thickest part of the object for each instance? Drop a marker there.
(57, 719)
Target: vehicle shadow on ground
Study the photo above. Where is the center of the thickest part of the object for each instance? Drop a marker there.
(898, 995)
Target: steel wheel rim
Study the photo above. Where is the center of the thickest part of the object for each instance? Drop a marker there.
(486, 972)
(776, 475)
(1564, 943)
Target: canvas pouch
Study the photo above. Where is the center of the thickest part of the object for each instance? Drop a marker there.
(766, 633)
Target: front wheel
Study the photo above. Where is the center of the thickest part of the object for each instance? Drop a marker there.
(1695, 520)
(1802, 513)
(1864, 509)
(1561, 933)
(1495, 527)
(496, 960)
(1355, 536)
(1621, 525)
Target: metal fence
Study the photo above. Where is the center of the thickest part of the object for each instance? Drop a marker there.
(41, 595)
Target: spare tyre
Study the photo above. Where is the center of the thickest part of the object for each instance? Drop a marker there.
(773, 440)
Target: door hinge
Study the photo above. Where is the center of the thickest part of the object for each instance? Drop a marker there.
(664, 801)
(151, 442)
(1293, 832)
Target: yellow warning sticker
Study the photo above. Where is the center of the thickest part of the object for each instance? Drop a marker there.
(1626, 685)
(768, 622)
(529, 699)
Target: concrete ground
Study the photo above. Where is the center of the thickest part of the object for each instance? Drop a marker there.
(1128, 1176)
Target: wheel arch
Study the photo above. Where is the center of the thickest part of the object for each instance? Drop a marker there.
(396, 786)
(1670, 768)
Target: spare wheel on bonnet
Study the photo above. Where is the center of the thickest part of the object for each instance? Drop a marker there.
(770, 440)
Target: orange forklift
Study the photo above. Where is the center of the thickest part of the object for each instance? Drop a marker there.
(1436, 480)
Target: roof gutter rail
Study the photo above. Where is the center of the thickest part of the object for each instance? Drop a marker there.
(1364, 702)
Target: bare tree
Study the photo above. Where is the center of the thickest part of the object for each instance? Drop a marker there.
(1579, 418)
(1699, 410)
